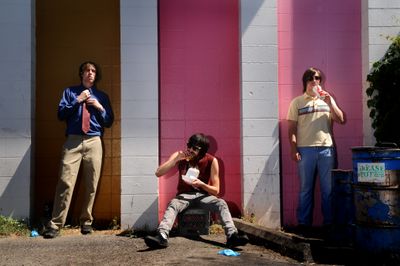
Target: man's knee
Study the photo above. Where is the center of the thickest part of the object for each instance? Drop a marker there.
(177, 204)
(222, 202)
(173, 203)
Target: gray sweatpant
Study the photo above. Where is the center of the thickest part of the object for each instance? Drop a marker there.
(199, 200)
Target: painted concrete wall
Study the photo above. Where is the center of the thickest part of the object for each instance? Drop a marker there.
(327, 35)
(199, 89)
(260, 132)
(139, 155)
(60, 38)
(16, 106)
(139, 113)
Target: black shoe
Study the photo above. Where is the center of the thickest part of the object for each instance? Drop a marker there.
(51, 233)
(305, 231)
(156, 242)
(86, 229)
(237, 240)
(327, 231)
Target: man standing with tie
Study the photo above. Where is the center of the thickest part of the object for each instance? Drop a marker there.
(86, 111)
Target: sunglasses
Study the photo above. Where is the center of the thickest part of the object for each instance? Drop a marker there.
(317, 78)
(193, 147)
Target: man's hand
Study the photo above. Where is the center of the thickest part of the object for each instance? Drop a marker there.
(295, 155)
(95, 103)
(83, 96)
(197, 183)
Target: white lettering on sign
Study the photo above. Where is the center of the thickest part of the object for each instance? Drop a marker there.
(371, 172)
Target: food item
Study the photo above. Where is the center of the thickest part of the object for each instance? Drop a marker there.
(191, 174)
(189, 156)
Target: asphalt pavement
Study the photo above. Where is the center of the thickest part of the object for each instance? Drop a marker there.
(101, 248)
(266, 247)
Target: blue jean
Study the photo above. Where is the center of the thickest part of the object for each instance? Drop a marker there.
(315, 160)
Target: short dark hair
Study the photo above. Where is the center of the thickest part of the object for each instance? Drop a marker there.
(85, 64)
(199, 139)
(309, 74)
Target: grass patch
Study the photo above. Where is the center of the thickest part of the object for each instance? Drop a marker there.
(216, 229)
(250, 218)
(10, 226)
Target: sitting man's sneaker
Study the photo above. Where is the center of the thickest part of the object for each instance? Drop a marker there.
(86, 229)
(51, 233)
(156, 242)
(237, 240)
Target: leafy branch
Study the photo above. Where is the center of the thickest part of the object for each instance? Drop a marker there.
(384, 94)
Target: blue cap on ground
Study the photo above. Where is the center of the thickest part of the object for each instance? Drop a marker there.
(229, 252)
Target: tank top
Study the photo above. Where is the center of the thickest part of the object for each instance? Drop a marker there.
(204, 166)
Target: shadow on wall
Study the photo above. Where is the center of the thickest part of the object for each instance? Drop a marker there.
(213, 151)
(145, 221)
(16, 197)
(233, 207)
(251, 9)
(263, 202)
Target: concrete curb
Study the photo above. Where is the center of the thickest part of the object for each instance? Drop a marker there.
(278, 241)
(313, 250)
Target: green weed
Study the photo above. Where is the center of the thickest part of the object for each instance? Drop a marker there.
(10, 226)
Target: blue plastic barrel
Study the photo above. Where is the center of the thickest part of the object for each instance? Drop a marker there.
(377, 199)
(342, 207)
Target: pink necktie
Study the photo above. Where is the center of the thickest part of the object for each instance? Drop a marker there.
(85, 118)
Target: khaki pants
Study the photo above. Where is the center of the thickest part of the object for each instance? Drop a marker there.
(77, 149)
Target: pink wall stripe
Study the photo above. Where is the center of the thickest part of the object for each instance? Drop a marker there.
(199, 87)
(327, 35)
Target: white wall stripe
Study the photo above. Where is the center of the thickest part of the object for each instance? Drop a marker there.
(260, 134)
(139, 114)
(16, 105)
